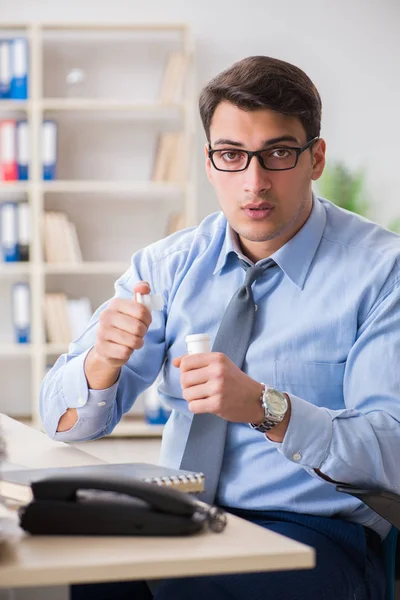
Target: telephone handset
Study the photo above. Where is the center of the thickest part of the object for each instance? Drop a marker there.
(77, 505)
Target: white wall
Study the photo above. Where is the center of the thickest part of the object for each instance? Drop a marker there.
(351, 50)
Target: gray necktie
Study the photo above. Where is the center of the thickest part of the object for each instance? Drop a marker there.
(204, 448)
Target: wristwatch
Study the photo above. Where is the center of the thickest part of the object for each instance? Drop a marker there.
(275, 406)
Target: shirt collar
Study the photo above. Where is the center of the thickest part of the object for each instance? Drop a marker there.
(295, 257)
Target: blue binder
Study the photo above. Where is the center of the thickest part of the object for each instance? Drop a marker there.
(19, 69)
(21, 312)
(9, 231)
(5, 69)
(49, 149)
(23, 150)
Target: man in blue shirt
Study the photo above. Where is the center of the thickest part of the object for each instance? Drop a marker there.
(325, 337)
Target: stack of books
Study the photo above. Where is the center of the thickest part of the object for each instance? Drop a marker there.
(65, 318)
(173, 83)
(171, 158)
(170, 162)
(61, 243)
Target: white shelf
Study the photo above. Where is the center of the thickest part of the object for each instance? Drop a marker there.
(16, 268)
(133, 427)
(136, 187)
(8, 105)
(88, 268)
(14, 186)
(52, 349)
(93, 104)
(73, 186)
(15, 350)
(183, 27)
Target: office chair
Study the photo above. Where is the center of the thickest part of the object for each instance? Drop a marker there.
(387, 505)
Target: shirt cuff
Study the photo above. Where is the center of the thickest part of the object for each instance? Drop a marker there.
(100, 399)
(77, 394)
(74, 383)
(93, 417)
(308, 435)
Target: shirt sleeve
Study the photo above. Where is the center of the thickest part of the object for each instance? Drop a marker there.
(65, 385)
(360, 444)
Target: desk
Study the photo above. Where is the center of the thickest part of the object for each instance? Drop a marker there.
(55, 560)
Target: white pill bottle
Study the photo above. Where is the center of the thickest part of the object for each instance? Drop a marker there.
(198, 343)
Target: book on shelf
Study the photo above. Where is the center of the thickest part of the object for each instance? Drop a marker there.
(65, 318)
(79, 312)
(156, 412)
(61, 243)
(49, 149)
(14, 68)
(15, 231)
(23, 150)
(21, 312)
(24, 230)
(5, 69)
(8, 150)
(19, 68)
(170, 157)
(173, 81)
(15, 149)
(9, 231)
(15, 484)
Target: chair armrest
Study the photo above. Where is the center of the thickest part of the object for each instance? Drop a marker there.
(386, 504)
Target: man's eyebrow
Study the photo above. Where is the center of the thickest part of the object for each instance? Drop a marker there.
(270, 142)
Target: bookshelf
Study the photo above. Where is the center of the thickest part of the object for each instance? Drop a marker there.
(108, 138)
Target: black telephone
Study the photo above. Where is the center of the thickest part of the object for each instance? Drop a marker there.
(71, 505)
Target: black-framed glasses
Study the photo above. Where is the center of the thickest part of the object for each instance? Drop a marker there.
(278, 158)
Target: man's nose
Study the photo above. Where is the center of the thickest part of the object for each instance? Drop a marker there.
(257, 178)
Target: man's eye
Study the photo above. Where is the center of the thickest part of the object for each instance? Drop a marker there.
(231, 156)
(280, 153)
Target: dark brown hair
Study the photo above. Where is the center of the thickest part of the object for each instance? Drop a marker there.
(260, 82)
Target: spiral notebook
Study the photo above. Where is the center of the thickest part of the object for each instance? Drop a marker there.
(15, 484)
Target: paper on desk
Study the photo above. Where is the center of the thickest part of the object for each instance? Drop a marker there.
(10, 531)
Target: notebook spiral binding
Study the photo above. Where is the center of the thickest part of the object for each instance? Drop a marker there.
(193, 482)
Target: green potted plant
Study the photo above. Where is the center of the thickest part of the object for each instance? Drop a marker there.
(344, 188)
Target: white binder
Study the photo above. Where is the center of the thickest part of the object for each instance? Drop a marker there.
(21, 312)
(8, 231)
(23, 150)
(49, 149)
(5, 69)
(19, 68)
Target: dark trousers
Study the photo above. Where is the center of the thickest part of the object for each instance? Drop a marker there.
(347, 568)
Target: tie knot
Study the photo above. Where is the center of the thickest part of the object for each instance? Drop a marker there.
(252, 273)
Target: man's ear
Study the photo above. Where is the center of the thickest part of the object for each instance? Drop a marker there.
(318, 159)
(208, 163)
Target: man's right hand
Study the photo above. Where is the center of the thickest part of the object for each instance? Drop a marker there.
(122, 327)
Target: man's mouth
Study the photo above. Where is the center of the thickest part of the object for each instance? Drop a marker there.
(258, 211)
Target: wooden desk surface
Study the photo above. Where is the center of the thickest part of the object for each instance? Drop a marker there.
(40, 560)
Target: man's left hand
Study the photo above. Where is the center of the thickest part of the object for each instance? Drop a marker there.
(212, 383)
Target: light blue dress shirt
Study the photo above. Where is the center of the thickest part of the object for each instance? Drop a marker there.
(327, 331)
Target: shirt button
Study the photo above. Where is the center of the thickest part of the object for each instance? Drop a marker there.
(296, 456)
(101, 404)
(81, 401)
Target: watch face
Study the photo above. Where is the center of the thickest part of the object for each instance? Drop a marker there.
(276, 402)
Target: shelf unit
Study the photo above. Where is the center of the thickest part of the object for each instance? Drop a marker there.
(78, 192)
